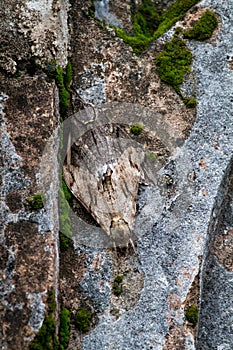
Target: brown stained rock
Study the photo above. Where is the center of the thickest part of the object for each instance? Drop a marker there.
(123, 11)
(14, 201)
(71, 271)
(32, 32)
(70, 275)
(125, 265)
(31, 116)
(124, 76)
(203, 165)
(31, 271)
(222, 248)
(30, 257)
(175, 339)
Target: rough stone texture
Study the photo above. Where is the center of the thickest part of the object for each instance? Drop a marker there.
(217, 275)
(172, 243)
(106, 70)
(33, 31)
(28, 240)
(177, 229)
(29, 114)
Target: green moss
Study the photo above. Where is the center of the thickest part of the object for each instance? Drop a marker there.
(35, 202)
(173, 62)
(190, 102)
(64, 329)
(118, 278)
(136, 128)
(66, 191)
(178, 30)
(117, 290)
(203, 28)
(151, 156)
(65, 242)
(46, 338)
(147, 19)
(117, 285)
(83, 319)
(138, 42)
(64, 101)
(173, 14)
(63, 82)
(192, 315)
(149, 24)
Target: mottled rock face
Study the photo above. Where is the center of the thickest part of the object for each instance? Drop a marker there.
(29, 114)
(182, 223)
(28, 241)
(33, 32)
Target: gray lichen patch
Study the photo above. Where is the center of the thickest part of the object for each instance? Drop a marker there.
(37, 310)
(93, 85)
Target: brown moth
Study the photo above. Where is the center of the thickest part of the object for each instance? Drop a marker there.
(106, 186)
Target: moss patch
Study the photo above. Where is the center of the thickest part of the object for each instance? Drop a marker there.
(63, 82)
(66, 191)
(192, 315)
(151, 156)
(117, 285)
(46, 338)
(136, 129)
(149, 25)
(203, 28)
(35, 202)
(190, 102)
(83, 319)
(64, 329)
(173, 62)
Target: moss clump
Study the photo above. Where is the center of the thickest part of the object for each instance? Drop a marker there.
(190, 102)
(138, 42)
(147, 19)
(173, 14)
(203, 28)
(118, 278)
(173, 62)
(46, 338)
(149, 24)
(64, 241)
(151, 156)
(64, 329)
(63, 82)
(117, 285)
(83, 319)
(192, 315)
(136, 129)
(66, 191)
(35, 202)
